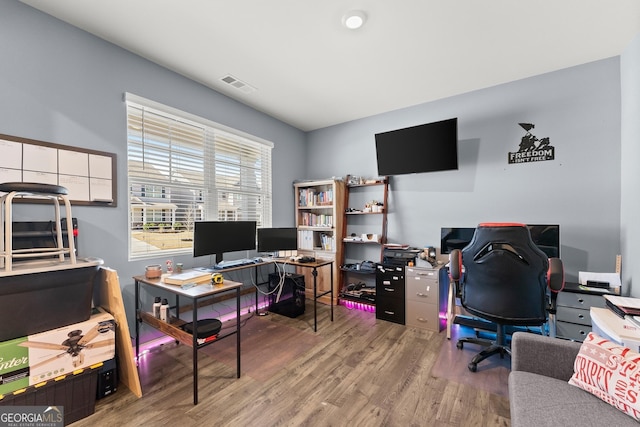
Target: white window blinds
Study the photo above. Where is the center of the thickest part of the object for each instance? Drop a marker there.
(183, 169)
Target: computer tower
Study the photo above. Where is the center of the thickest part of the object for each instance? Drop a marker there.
(291, 301)
(107, 379)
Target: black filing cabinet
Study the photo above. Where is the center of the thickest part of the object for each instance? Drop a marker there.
(390, 293)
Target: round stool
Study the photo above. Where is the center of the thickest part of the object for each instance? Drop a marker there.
(31, 190)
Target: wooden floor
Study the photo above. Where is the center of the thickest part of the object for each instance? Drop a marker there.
(364, 372)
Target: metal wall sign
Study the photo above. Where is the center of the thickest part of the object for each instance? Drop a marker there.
(532, 148)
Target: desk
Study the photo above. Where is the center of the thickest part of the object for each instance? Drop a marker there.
(315, 265)
(312, 265)
(173, 328)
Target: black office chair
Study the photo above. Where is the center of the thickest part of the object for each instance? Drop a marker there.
(506, 280)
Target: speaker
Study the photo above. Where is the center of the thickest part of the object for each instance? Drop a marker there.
(292, 298)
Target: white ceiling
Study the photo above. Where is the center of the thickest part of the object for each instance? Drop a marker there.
(311, 72)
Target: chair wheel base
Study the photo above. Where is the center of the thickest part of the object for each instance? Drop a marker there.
(473, 367)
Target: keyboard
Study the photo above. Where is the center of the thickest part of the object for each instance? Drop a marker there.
(223, 265)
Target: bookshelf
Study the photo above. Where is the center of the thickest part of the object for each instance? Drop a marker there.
(319, 209)
(365, 222)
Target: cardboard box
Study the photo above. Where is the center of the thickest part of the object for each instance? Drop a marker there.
(48, 355)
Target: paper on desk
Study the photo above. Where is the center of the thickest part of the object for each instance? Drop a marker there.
(612, 278)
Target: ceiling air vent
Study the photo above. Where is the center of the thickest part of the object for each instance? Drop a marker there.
(238, 84)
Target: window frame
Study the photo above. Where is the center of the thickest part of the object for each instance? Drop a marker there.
(197, 169)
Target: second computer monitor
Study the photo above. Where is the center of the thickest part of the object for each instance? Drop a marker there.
(277, 239)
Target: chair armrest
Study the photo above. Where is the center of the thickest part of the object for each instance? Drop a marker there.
(538, 354)
(555, 275)
(455, 265)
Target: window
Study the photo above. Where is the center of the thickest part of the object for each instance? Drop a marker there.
(183, 169)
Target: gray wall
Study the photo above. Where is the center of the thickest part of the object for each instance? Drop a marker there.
(630, 227)
(578, 108)
(62, 85)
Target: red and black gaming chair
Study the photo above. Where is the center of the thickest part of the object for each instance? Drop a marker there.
(508, 281)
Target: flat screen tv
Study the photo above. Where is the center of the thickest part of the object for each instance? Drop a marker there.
(219, 237)
(277, 239)
(429, 147)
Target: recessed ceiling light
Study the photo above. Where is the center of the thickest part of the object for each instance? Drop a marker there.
(354, 19)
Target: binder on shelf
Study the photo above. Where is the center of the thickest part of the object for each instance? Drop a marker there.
(305, 239)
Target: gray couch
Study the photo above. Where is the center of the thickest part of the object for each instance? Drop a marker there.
(539, 393)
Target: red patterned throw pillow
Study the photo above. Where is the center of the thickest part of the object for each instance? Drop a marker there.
(609, 371)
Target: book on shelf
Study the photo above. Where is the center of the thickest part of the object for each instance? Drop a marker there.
(313, 197)
(308, 219)
(623, 306)
(189, 276)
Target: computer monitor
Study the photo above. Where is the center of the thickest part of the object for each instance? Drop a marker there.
(547, 238)
(277, 239)
(219, 237)
(455, 238)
